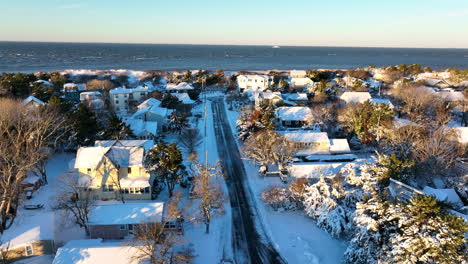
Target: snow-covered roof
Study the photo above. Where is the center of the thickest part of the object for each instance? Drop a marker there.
(32, 99)
(251, 76)
(123, 90)
(355, 97)
(301, 80)
(44, 82)
(128, 213)
(180, 86)
(297, 73)
(432, 81)
(141, 182)
(462, 134)
(90, 157)
(147, 144)
(444, 195)
(315, 170)
(155, 110)
(339, 145)
(142, 128)
(184, 98)
(294, 113)
(307, 137)
(298, 97)
(29, 228)
(149, 102)
(267, 95)
(94, 251)
(382, 101)
(70, 86)
(453, 96)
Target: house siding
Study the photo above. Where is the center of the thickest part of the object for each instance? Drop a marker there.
(41, 247)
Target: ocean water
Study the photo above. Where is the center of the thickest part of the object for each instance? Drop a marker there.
(41, 56)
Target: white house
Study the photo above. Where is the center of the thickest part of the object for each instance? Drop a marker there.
(153, 113)
(182, 87)
(433, 82)
(310, 142)
(355, 97)
(254, 82)
(124, 100)
(298, 74)
(271, 98)
(294, 116)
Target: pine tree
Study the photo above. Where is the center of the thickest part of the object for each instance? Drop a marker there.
(428, 233)
(117, 129)
(84, 124)
(165, 161)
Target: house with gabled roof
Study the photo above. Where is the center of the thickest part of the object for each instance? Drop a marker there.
(32, 101)
(293, 116)
(355, 97)
(115, 170)
(254, 82)
(117, 221)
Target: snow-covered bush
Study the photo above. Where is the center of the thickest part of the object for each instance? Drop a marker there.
(324, 203)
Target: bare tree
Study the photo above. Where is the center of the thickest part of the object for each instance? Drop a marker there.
(190, 139)
(268, 147)
(26, 133)
(207, 189)
(158, 244)
(75, 198)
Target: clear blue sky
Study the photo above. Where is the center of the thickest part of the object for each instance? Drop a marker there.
(389, 23)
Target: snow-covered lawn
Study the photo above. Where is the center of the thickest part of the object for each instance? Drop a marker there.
(45, 223)
(295, 236)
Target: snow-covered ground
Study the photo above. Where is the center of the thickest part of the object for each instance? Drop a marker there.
(295, 236)
(212, 247)
(45, 223)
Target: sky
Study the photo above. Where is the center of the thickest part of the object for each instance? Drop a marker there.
(362, 23)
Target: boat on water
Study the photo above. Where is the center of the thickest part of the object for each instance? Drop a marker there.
(275, 47)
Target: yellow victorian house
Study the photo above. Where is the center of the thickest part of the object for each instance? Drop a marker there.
(114, 169)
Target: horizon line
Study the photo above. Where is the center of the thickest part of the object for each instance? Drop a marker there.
(201, 44)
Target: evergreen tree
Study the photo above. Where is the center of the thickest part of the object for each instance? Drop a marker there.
(84, 124)
(117, 129)
(428, 233)
(165, 161)
(169, 101)
(177, 123)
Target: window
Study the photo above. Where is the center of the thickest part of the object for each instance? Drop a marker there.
(130, 228)
(129, 170)
(89, 171)
(171, 224)
(116, 101)
(123, 227)
(107, 187)
(28, 250)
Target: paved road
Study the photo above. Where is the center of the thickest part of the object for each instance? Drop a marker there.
(249, 243)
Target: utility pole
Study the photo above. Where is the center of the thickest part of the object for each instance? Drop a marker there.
(205, 117)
